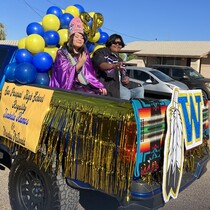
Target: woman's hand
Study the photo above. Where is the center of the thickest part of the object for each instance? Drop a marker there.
(81, 60)
(103, 91)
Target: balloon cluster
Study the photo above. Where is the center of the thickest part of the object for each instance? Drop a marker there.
(36, 52)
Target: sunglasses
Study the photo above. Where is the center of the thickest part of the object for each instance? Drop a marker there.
(117, 43)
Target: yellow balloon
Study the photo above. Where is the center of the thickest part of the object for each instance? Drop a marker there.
(34, 43)
(22, 43)
(63, 34)
(51, 51)
(72, 10)
(50, 22)
(98, 46)
(91, 14)
(95, 38)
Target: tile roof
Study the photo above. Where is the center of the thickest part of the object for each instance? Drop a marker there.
(196, 49)
(169, 48)
(9, 42)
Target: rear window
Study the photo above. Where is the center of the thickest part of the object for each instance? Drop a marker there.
(3, 55)
(160, 75)
(142, 76)
(164, 70)
(192, 73)
(7, 55)
(177, 73)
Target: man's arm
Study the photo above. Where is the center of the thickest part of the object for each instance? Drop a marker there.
(108, 66)
(99, 61)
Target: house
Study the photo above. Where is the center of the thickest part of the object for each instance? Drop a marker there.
(185, 53)
(9, 42)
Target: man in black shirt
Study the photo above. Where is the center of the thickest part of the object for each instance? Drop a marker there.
(111, 70)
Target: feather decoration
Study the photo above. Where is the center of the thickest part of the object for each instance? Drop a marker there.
(173, 150)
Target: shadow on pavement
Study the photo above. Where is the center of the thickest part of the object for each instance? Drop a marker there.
(93, 200)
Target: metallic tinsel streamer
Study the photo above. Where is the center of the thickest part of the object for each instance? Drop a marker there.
(90, 142)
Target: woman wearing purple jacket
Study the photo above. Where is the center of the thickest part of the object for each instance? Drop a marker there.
(73, 68)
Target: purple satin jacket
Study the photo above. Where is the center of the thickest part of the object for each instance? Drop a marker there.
(64, 75)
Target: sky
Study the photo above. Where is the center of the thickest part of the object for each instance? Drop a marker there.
(134, 20)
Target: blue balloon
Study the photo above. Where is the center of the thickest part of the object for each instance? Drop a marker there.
(35, 28)
(42, 61)
(99, 30)
(9, 72)
(79, 7)
(65, 19)
(25, 73)
(51, 38)
(55, 11)
(42, 79)
(103, 38)
(23, 55)
(90, 46)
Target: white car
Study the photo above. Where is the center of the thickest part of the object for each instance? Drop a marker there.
(156, 84)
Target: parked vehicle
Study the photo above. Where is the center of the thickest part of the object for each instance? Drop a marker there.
(7, 53)
(156, 84)
(58, 142)
(187, 75)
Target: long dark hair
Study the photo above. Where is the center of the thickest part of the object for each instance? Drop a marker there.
(69, 46)
(112, 39)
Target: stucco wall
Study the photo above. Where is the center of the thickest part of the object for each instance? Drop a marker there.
(195, 64)
(205, 67)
